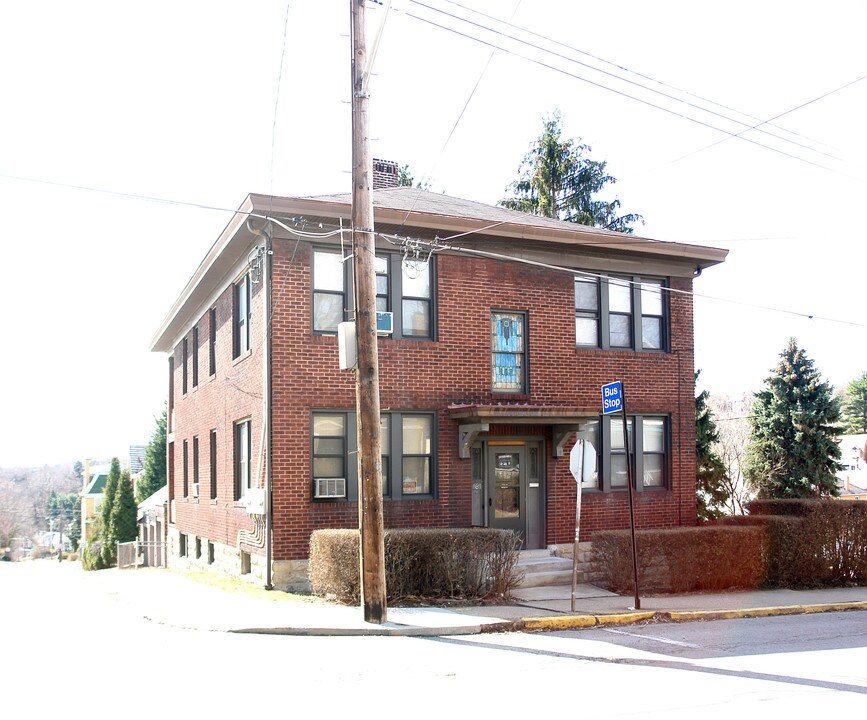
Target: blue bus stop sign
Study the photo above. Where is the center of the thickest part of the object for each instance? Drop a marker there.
(612, 398)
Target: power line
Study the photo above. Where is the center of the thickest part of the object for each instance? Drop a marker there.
(616, 76)
(627, 70)
(629, 96)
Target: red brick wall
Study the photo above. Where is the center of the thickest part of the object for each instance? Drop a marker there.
(429, 376)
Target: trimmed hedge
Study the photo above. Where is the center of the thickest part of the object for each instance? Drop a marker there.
(430, 564)
(811, 542)
(681, 559)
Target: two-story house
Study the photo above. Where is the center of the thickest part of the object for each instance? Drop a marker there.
(504, 326)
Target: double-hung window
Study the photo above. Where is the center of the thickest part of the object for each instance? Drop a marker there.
(242, 316)
(408, 461)
(508, 352)
(212, 341)
(621, 313)
(404, 288)
(648, 451)
(195, 356)
(213, 464)
(242, 458)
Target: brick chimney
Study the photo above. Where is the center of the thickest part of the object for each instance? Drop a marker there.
(385, 174)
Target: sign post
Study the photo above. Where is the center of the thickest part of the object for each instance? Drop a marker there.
(582, 463)
(614, 400)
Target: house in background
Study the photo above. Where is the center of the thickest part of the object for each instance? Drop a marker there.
(91, 499)
(151, 518)
(852, 478)
(504, 327)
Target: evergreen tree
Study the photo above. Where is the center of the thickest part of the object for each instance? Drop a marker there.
(107, 538)
(711, 481)
(792, 451)
(557, 181)
(153, 474)
(123, 512)
(855, 405)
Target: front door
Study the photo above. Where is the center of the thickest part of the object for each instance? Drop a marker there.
(507, 488)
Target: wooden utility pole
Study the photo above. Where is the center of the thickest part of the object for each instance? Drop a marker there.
(372, 547)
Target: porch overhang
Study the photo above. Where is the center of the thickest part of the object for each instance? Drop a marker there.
(475, 419)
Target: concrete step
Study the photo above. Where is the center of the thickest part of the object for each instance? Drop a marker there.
(546, 579)
(542, 569)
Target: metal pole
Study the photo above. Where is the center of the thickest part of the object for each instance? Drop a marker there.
(372, 545)
(577, 523)
(630, 478)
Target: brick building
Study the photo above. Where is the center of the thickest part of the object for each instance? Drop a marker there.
(504, 327)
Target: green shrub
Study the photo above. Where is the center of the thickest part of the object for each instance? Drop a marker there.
(428, 563)
(812, 542)
(681, 559)
(91, 557)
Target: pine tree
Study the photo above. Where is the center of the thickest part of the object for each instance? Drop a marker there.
(123, 512)
(792, 451)
(711, 481)
(107, 538)
(558, 181)
(153, 474)
(855, 405)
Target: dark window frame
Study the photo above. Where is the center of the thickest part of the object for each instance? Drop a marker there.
(636, 315)
(213, 464)
(243, 474)
(185, 355)
(393, 298)
(195, 358)
(523, 354)
(242, 294)
(212, 341)
(605, 452)
(392, 461)
(185, 475)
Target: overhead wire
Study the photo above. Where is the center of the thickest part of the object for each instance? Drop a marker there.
(624, 94)
(630, 71)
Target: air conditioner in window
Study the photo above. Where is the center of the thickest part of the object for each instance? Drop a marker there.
(384, 323)
(330, 488)
(195, 490)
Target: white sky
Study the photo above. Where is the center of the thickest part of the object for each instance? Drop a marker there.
(176, 100)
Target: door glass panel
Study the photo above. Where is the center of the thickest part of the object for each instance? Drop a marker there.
(507, 476)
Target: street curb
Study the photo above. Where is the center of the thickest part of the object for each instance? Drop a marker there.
(365, 631)
(580, 622)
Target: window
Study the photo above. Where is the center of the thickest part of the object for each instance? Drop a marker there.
(649, 442)
(185, 469)
(195, 466)
(185, 354)
(212, 342)
(621, 313)
(329, 294)
(408, 461)
(195, 356)
(242, 458)
(182, 545)
(417, 460)
(242, 302)
(213, 458)
(508, 352)
(403, 287)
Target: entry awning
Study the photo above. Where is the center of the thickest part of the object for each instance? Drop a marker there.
(474, 419)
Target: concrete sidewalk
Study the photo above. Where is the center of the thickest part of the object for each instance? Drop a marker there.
(177, 600)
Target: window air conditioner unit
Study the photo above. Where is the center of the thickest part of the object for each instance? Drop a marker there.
(195, 490)
(330, 488)
(384, 323)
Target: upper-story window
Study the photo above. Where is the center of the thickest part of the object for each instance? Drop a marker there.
(242, 316)
(508, 352)
(212, 341)
(195, 355)
(621, 313)
(404, 288)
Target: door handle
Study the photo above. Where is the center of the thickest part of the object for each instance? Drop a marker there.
(490, 502)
